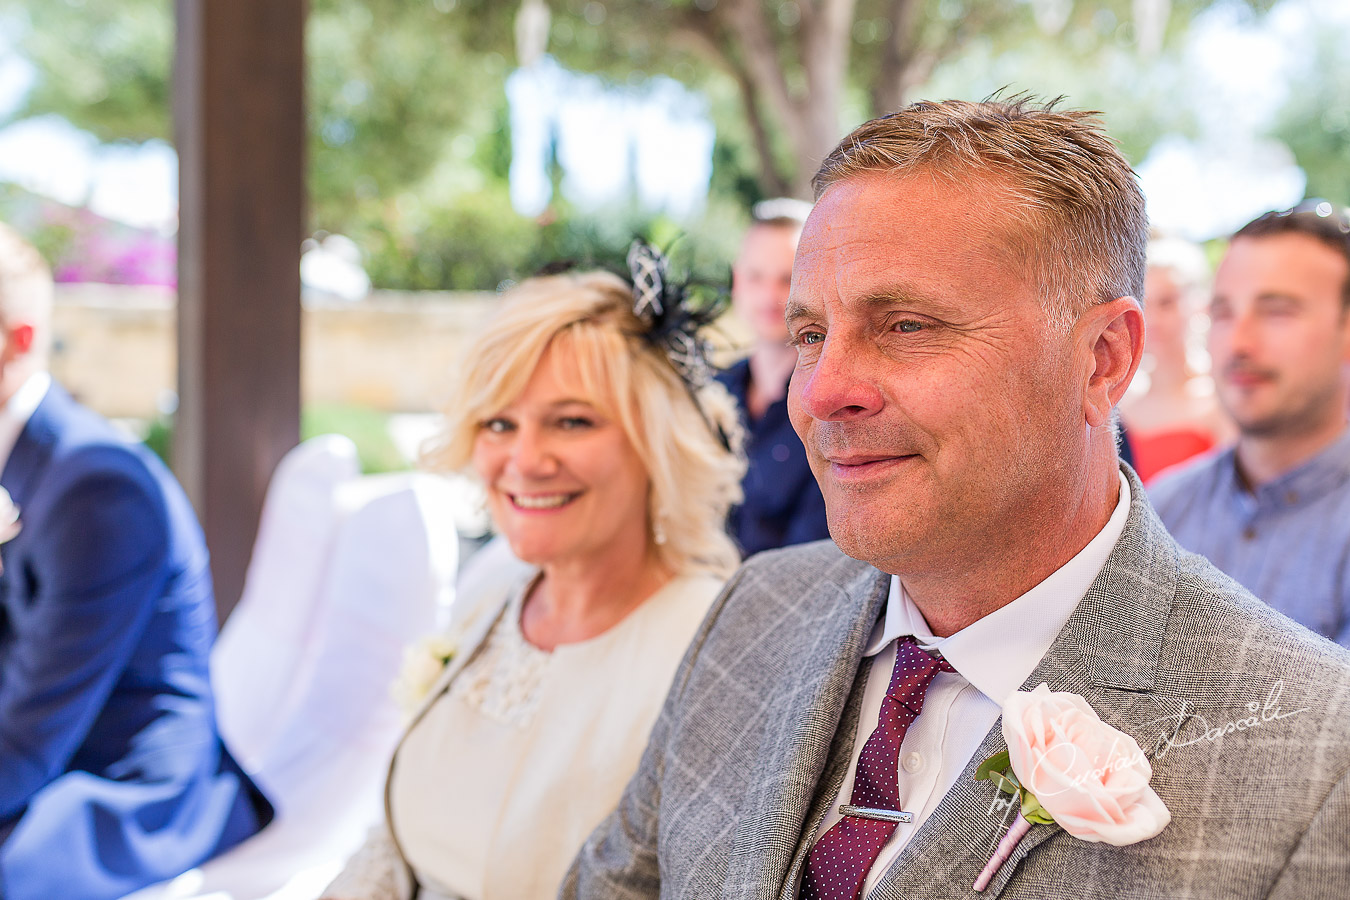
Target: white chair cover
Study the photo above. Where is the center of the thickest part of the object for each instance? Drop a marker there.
(259, 661)
(388, 581)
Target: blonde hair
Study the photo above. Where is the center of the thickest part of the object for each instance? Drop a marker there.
(25, 286)
(694, 479)
(1078, 225)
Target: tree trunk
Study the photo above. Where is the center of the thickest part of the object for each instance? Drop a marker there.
(770, 177)
(749, 38)
(741, 37)
(897, 58)
(715, 40)
(826, 30)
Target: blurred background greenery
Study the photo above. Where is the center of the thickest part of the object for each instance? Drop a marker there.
(368, 429)
(410, 125)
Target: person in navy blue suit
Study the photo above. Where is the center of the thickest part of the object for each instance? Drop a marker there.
(112, 773)
(783, 504)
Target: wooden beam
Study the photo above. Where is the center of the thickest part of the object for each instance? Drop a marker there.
(239, 119)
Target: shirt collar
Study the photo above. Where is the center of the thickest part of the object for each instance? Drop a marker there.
(1000, 651)
(1307, 482)
(15, 414)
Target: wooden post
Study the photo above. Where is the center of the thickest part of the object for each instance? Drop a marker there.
(240, 127)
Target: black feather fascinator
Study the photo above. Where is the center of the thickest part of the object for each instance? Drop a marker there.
(675, 312)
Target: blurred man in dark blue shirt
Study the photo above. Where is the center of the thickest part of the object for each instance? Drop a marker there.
(783, 504)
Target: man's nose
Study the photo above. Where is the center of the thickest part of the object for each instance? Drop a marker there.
(1236, 337)
(840, 384)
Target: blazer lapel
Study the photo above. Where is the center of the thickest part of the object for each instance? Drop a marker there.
(1108, 653)
(802, 720)
(23, 469)
(831, 780)
(33, 448)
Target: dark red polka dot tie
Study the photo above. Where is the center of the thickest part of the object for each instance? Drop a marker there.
(839, 862)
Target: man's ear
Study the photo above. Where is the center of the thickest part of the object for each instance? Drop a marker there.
(21, 338)
(1345, 335)
(1114, 334)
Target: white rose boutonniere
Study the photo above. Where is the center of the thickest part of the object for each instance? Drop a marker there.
(423, 663)
(10, 526)
(1069, 768)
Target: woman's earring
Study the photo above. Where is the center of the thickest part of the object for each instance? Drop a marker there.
(658, 530)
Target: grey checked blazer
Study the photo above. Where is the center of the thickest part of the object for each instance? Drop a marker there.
(755, 737)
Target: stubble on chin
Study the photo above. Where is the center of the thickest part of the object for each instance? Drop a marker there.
(863, 530)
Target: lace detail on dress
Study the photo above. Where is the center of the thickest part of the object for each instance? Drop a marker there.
(504, 679)
(371, 873)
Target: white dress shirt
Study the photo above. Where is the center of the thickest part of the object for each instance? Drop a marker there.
(992, 657)
(15, 414)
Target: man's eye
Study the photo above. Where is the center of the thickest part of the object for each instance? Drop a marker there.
(810, 337)
(908, 326)
(1279, 308)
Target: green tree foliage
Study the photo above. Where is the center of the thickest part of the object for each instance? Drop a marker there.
(409, 142)
(1315, 120)
(409, 145)
(105, 64)
(806, 70)
(396, 99)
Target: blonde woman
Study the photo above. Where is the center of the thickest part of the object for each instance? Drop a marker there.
(607, 465)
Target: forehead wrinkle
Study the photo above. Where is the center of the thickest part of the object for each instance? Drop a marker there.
(798, 309)
(900, 294)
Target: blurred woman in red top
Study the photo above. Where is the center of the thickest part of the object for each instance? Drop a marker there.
(1173, 415)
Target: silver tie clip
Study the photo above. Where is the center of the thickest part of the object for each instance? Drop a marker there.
(885, 815)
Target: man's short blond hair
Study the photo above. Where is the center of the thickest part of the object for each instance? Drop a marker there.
(25, 281)
(1075, 220)
(589, 316)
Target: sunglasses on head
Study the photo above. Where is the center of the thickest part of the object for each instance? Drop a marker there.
(1321, 214)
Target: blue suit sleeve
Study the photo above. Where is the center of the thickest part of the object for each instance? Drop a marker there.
(93, 575)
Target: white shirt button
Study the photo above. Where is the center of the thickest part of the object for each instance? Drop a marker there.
(913, 762)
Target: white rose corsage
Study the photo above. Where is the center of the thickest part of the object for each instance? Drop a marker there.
(423, 663)
(1069, 768)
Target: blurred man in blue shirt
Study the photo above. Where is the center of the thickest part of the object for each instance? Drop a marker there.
(783, 504)
(1274, 511)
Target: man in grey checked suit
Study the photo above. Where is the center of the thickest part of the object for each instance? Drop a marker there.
(964, 308)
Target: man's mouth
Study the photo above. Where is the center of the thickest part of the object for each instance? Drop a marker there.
(1248, 378)
(862, 465)
(860, 459)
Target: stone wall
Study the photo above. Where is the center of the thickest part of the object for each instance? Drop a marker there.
(115, 347)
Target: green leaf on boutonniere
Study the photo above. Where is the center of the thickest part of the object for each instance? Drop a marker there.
(1033, 812)
(995, 769)
(1004, 783)
(999, 762)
